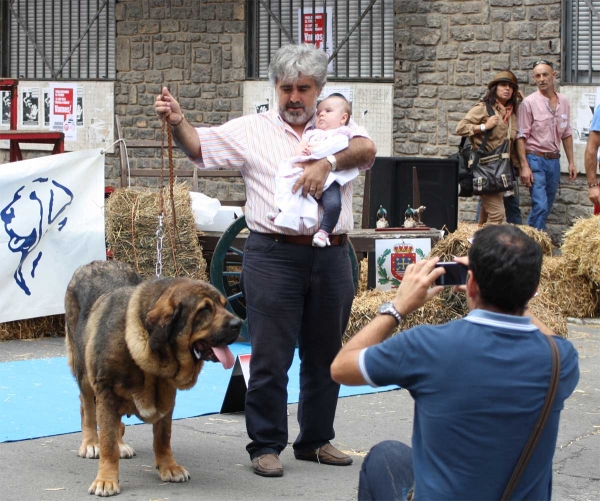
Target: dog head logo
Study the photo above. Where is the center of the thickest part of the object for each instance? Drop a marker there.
(33, 211)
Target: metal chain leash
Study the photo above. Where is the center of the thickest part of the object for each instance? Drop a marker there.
(159, 246)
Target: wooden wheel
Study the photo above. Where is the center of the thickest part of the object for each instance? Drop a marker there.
(226, 270)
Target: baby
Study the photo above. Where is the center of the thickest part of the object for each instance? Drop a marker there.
(330, 136)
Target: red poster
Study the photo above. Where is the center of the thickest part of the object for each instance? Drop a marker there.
(319, 28)
(63, 101)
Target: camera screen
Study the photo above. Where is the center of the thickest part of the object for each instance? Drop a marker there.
(456, 274)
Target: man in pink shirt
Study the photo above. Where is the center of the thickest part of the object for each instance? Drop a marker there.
(295, 293)
(543, 121)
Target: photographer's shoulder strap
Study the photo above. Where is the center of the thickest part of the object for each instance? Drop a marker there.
(540, 424)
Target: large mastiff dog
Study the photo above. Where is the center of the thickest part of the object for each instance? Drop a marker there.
(131, 345)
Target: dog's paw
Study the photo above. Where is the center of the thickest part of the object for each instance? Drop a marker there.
(173, 473)
(104, 488)
(91, 451)
(126, 451)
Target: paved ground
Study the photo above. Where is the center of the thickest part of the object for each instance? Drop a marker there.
(212, 447)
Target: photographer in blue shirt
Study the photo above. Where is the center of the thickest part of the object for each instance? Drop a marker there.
(479, 383)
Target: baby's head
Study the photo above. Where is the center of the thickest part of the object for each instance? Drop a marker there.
(333, 112)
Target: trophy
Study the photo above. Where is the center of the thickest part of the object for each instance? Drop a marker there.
(382, 221)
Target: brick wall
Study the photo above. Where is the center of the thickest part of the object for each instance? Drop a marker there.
(446, 53)
(196, 48)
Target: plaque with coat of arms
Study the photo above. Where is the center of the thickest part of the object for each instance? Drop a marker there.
(393, 256)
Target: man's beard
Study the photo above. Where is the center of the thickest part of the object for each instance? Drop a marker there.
(295, 118)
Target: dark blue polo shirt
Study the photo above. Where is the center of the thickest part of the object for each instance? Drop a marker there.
(479, 384)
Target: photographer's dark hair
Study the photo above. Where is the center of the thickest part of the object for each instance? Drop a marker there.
(506, 265)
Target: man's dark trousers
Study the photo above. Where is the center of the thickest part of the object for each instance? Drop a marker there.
(294, 294)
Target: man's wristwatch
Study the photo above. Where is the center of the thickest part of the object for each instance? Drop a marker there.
(389, 309)
(482, 127)
(331, 159)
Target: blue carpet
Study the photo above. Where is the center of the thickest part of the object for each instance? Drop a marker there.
(40, 398)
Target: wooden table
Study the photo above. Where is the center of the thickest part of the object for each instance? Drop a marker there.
(363, 241)
(26, 136)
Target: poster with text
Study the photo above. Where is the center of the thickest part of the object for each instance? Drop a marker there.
(46, 96)
(30, 106)
(5, 107)
(394, 255)
(62, 109)
(79, 106)
(317, 28)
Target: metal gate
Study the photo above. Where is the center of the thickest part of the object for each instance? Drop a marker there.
(360, 42)
(58, 39)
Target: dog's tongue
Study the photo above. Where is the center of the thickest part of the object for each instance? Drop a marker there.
(224, 355)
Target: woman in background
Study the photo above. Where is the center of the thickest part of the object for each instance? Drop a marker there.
(502, 96)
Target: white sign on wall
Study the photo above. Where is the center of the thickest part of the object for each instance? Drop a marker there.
(394, 255)
(51, 222)
(63, 98)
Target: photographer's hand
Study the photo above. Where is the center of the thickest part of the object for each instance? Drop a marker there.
(414, 291)
(416, 287)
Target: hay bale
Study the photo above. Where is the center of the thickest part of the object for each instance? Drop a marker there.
(457, 243)
(549, 316)
(131, 226)
(581, 248)
(564, 292)
(362, 277)
(33, 328)
(454, 244)
(443, 308)
(540, 237)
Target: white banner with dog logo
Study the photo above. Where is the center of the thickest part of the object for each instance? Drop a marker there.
(52, 221)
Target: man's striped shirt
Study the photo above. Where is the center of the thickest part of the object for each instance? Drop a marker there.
(256, 145)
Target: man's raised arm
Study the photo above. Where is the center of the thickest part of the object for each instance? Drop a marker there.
(184, 134)
(414, 291)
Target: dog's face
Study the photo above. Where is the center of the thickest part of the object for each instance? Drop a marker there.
(190, 322)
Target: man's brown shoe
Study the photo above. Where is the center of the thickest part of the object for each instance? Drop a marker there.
(326, 454)
(267, 465)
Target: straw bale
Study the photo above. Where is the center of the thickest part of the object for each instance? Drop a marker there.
(549, 316)
(457, 243)
(454, 244)
(362, 277)
(541, 237)
(564, 292)
(443, 308)
(131, 225)
(581, 248)
(32, 328)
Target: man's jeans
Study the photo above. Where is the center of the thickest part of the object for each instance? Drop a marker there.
(546, 178)
(387, 472)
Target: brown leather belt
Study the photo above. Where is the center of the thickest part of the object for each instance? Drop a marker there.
(305, 239)
(549, 156)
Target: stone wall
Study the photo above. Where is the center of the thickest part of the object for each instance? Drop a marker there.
(194, 47)
(447, 52)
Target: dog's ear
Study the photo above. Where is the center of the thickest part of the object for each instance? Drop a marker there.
(160, 320)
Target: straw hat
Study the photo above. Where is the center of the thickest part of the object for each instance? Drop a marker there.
(505, 76)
